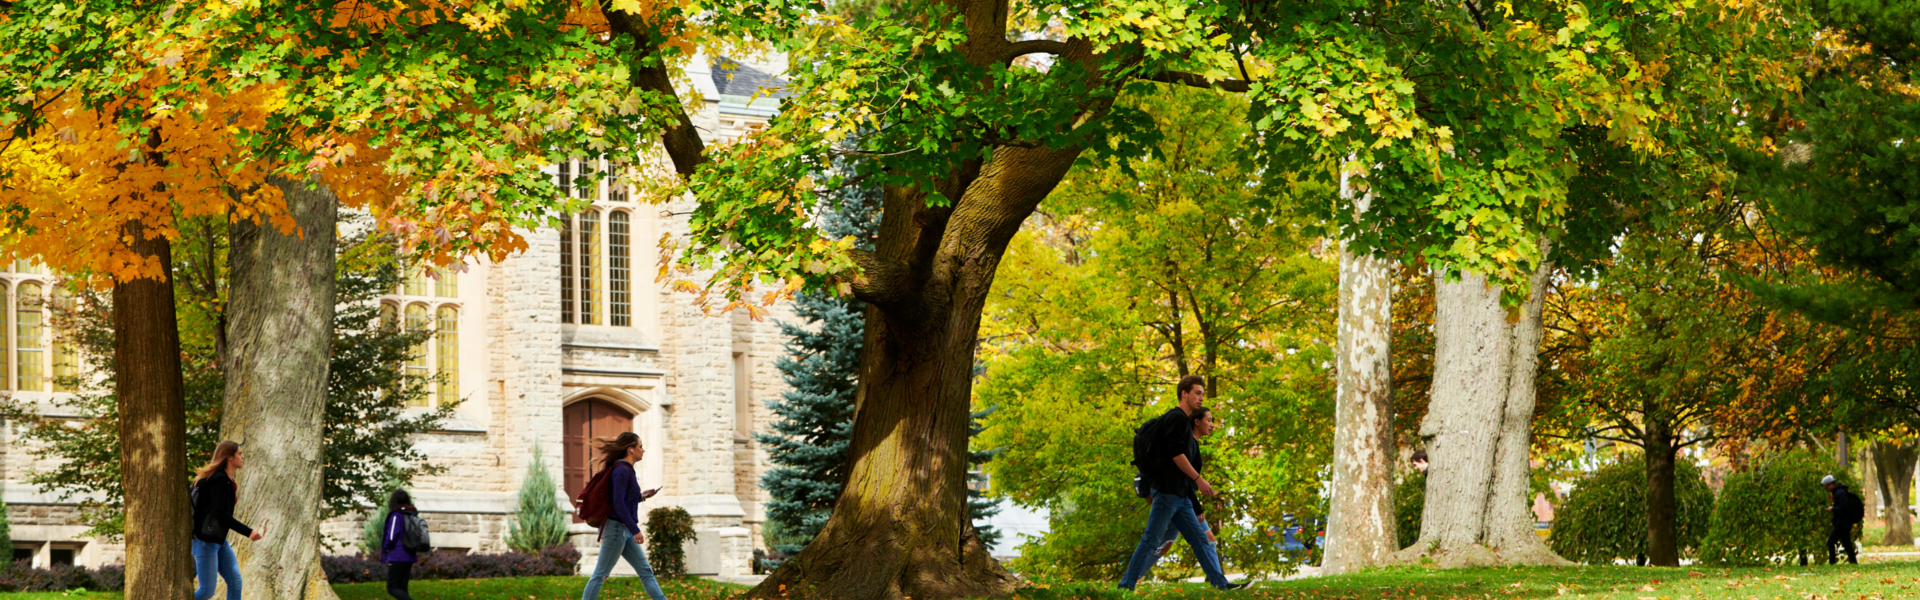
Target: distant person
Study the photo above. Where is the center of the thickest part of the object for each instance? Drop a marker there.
(1847, 511)
(1203, 426)
(214, 494)
(1419, 460)
(621, 535)
(1174, 481)
(393, 547)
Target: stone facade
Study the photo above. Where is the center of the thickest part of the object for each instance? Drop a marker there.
(694, 384)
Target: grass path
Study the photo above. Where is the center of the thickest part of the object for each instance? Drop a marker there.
(1884, 580)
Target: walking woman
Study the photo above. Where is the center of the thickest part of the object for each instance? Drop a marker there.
(214, 495)
(621, 535)
(392, 549)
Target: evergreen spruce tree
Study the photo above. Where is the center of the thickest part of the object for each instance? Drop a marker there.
(371, 531)
(821, 369)
(979, 506)
(538, 522)
(6, 531)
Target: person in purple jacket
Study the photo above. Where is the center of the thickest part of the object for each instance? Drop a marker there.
(392, 549)
(621, 535)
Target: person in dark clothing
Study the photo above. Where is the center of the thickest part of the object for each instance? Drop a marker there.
(1847, 511)
(393, 549)
(621, 535)
(1174, 482)
(215, 493)
(1203, 426)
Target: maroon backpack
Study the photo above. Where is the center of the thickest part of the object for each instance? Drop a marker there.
(596, 502)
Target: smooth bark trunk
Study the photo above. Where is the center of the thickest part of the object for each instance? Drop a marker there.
(279, 335)
(1663, 545)
(153, 426)
(1361, 531)
(900, 528)
(1478, 429)
(1894, 464)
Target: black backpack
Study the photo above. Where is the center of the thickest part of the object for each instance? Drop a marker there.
(1142, 449)
(415, 538)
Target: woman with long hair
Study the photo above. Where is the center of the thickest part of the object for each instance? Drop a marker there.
(214, 495)
(621, 535)
(392, 549)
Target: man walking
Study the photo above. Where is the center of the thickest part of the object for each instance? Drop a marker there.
(1174, 478)
(1847, 512)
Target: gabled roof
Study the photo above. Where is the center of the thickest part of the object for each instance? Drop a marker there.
(735, 78)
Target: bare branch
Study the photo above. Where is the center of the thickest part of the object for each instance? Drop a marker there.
(1192, 80)
(1023, 48)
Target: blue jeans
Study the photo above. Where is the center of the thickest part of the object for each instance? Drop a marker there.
(1177, 512)
(615, 542)
(215, 558)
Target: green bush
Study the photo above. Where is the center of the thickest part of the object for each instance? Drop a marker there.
(1090, 535)
(538, 521)
(668, 530)
(1606, 517)
(371, 532)
(1774, 512)
(1409, 503)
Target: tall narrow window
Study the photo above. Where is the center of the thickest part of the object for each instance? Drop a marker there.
(742, 394)
(616, 188)
(566, 270)
(620, 304)
(590, 276)
(389, 316)
(566, 178)
(447, 354)
(593, 183)
(66, 358)
(5, 353)
(26, 343)
(417, 358)
(417, 281)
(448, 285)
(28, 267)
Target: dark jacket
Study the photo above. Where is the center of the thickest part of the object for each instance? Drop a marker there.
(391, 547)
(215, 499)
(1199, 461)
(1847, 508)
(624, 486)
(1171, 433)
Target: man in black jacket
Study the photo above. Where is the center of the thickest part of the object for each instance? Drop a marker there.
(1847, 511)
(1175, 479)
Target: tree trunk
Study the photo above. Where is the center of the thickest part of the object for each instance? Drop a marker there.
(1873, 491)
(900, 528)
(153, 427)
(1663, 536)
(1894, 464)
(279, 335)
(1361, 531)
(1476, 508)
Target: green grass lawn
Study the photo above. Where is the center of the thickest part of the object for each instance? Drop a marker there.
(1886, 580)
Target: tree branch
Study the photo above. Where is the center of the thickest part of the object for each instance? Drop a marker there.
(680, 138)
(1023, 48)
(886, 282)
(1192, 80)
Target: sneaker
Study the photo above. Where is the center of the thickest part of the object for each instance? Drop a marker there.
(1235, 586)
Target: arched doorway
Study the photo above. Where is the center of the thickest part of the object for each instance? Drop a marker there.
(584, 421)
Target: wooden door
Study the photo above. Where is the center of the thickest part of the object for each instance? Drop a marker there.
(584, 421)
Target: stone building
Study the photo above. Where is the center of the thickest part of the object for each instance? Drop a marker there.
(571, 339)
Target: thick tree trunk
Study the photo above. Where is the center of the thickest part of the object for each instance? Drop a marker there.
(1872, 492)
(1478, 429)
(1894, 464)
(1663, 536)
(153, 427)
(279, 335)
(1361, 531)
(900, 528)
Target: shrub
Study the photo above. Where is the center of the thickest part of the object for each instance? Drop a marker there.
(371, 532)
(20, 577)
(1409, 503)
(1606, 517)
(538, 522)
(668, 530)
(560, 559)
(1774, 512)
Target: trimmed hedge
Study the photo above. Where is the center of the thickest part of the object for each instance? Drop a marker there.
(1775, 512)
(1606, 516)
(668, 530)
(561, 559)
(20, 577)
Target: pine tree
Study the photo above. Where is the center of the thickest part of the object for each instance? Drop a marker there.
(538, 522)
(371, 532)
(6, 531)
(821, 369)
